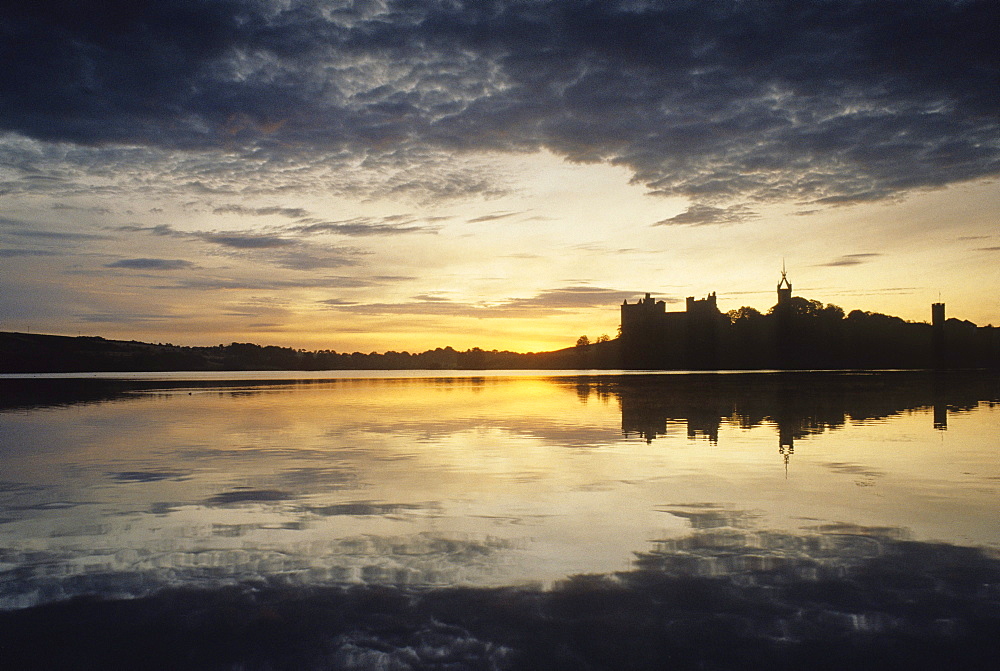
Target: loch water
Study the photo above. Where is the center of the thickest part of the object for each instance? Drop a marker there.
(573, 519)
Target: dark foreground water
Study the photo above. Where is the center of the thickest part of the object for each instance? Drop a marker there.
(779, 521)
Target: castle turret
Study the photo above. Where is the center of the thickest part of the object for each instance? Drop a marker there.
(784, 292)
(702, 306)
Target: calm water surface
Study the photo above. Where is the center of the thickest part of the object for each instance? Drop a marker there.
(500, 521)
(475, 480)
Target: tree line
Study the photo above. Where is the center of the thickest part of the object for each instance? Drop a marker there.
(36, 353)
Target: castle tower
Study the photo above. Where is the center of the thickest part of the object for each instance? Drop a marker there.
(938, 343)
(642, 317)
(784, 292)
(937, 314)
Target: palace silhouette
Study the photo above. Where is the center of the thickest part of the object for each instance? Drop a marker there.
(796, 333)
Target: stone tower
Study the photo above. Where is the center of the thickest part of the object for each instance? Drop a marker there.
(784, 287)
(938, 343)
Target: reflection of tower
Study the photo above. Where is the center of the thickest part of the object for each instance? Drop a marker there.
(940, 415)
(784, 292)
(786, 442)
(940, 399)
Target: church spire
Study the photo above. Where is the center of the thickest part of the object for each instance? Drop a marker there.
(784, 292)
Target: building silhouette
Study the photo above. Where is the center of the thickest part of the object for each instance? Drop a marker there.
(796, 333)
(647, 314)
(655, 337)
(784, 292)
(938, 334)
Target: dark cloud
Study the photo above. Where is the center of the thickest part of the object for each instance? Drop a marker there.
(429, 297)
(327, 282)
(414, 307)
(358, 226)
(494, 217)
(245, 240)
(57, 235)
(274, 249)
(292, 212)
(988, 249)
(284, 246)
(306, 260)
(551, 301)
(14, 253)
(572, 297)
(77, 208)
(851, 259)
(159, 229)
(703, 215)
(362, 227)
(124, 318)
(832, 101)
(151, 264)
(24, 229)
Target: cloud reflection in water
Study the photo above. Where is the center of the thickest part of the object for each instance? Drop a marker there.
(603, 521)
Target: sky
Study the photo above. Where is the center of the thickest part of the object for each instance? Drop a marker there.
(410, 174)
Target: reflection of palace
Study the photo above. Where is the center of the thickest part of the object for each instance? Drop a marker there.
(798, 405)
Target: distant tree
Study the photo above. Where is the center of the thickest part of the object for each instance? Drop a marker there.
(805, 307)
(744, 313)
(873, 318)
(604, 337)
(582, 341)
(834, 312)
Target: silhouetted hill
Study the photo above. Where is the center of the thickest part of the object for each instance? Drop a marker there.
(36, 353)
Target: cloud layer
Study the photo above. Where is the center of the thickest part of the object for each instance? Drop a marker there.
(831, 101)
(547, 302)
